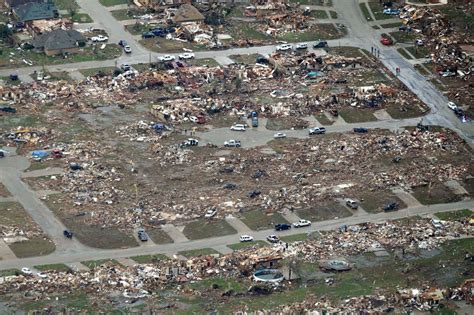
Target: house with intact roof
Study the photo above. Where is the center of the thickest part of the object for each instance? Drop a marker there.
(59, 41)
(31, 11)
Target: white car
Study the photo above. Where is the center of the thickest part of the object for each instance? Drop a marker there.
(238, 127)
(127, 49)
(302, 223)
(26, 271)
(210, 213)
(167, 58)
(273, 239)
(279, 135)
(246, 238)
(232, 143)
(452, 106)
(301, 46)
(437, 223)
(42, 275)
(284, 47)
(186, 56)
(99, 38)
(193, 119)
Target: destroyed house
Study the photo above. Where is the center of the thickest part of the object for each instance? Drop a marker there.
(59, 41)
(35, 11)
(187, 13)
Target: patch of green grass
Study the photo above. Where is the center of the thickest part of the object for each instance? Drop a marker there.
(198, 252)
(159, 236)
(246, 59)
(7, 81)
(377, 10)
(461, 18)
(66, 4)
(365, 11)
(319, 14)
(82, 18)
(91, 264)
(375, 27)
(109, 3)
(94, 71)
(403, 37)
(404, 53)
(323, 120)
(258, 220)
(357, 115)
(210, 62)
(147, 259)
(221, 284)
(409, 111)
(137, 29)
(418, 51)
(9, 272)
(350, 52)
(323, 212)
(242, 245)
(333, 14)
(317, 31)
(164, 45)
(391, 25)
(294, 238)
(122, 15)
(454, 215)
(33, 247)
(435, 193)
(422, 70)
(205, 228)
(375, 201)
(55, 267)
(312, 2)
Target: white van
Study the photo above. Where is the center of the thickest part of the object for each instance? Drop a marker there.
(238, 127)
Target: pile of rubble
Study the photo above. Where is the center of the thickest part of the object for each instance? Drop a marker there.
(441, 39)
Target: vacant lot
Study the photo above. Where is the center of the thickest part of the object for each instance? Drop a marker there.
(158, 236)
(38, 246)
(148, 259)
(91, 264)
(258, 220)
(374, 201)
(109, 3)
(357, 115)
(242, 245)
(198, 252)
(435, 193)
(323, 212)
(207, 228)
(454, 215)
(55, 267)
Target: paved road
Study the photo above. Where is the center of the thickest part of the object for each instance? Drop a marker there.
(58, 257)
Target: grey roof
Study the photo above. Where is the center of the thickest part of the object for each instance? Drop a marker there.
(58, 39)
(35, 11)
(15, 3)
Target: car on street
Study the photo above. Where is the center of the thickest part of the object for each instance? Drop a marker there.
(99, 38)
(320, 44)
(390, 11)
(210, 213)
(127, 49)
(142, 236)
(186, 56)
(361, 130)
(42, 275)
(148, 35)
(302, 223)
(317, 131)
(67, 233)
(301, 46)
(452, 106)
(26, 271)
(273, 239)
(246, 238)
(391, 206)
(232, 143)
(279, 135)
(284, 47)
(238, 127)
(122, 43)
(386, 41)
(282, 227)
(352, 204)
(189, 143)
(166, 58)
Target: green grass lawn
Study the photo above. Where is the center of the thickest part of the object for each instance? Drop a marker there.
(94, 71)
(109, 3)
(246, 59)
(418, 51)
(322, 212)
(137, 29)
(357, 115)
(4, 191)
(422, 70)
(158, 236)
(55, 267)
(66, 4)
(33, 247)
(147, 259)
(91, 264)
(221, 284)
(258, 220)
(374, 202)
(323, 119)
(7, 81)
(126, 14)
(205, 228)
(454, 215)
(294, 238)
(365, 11)
(9, 272)
(437, 193)
(403, 37)
(319, 14)
(82, 18)
(391, 25)
(198, 252)
(312, 2)
(377, 10)
(209, 62)
(333, 14)
(404, 53)
(409, 111)
(242, 245)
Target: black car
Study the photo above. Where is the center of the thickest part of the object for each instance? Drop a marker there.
(67, 233)
(142, 236)
(320, 44)
(7, 109)
(148, 35)
(122, 43)
(391, 206)
(282, 227)
(361, 130)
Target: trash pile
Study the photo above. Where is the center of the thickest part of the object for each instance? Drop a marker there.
(142, 131)
(442, 40)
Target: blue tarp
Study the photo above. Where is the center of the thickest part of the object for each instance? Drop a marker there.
(39, 154)
(314, 74)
